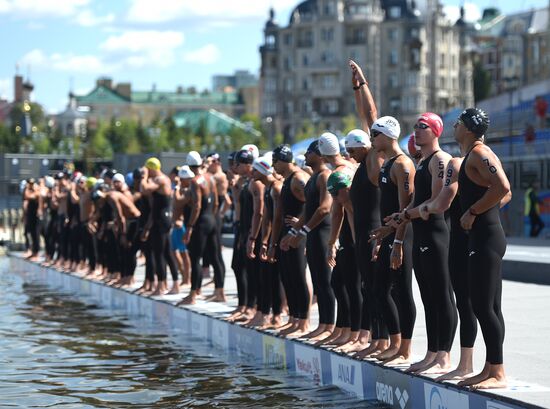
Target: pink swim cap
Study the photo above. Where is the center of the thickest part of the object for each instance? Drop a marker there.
(434, 121)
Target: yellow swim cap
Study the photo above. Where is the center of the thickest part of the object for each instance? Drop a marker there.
(90, 182)
(152, 164)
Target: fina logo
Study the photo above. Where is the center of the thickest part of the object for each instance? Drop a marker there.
(385, 393)
(436, 400)
(346, 374)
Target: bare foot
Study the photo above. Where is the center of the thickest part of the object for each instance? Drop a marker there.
(474, 380)
(388, 353)
(491, 383)
(423, 364)
(367, 352)
(175, 289)
(189, 300)
(458, 374)
(437, 369)
(397, 360)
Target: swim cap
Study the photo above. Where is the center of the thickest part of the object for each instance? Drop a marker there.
(434, 122)
(253, 149)
(110, 173)
(129, 178)
(342, 145)
(22, 186)
(231, 157)
(283, 153)
(152, 164)
(268, 156)
(98, 183)
(59, 176)
(137, 175)
(90, 182)
(300, 161)
(82, 179)
(328, 144)
(245, 157)
(118, 178)
(475, 120)
(314, 148)
(49, 182)
(337, 181)
(263, 166)
(387, 125)
(76, 176)
(185, 173)
(214, 155)
(357, 138)
(412, 146)
(194, 159)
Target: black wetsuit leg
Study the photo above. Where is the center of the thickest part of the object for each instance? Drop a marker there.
(293, 263)
(402, 291)
(202, 233)
(487, 246)
(158, 239)
(352, 278)
(239, 267)
(385, 281)
(316, 247)
(339, 287)
(364, 251)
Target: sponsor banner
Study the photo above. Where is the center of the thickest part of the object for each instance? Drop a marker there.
(161, 314)
(66, 281)
(146, 309)
(439, 397)
(247, 343)
(96, 292)
(347, 374)
(393, 388)
(106, 300)
(85, 287)
(307, 362)
(496, 405)
(199, 326)
(119, 299)
(132, 305)
(180, 321)
(220, 335)
(274, 352)
(75, 284)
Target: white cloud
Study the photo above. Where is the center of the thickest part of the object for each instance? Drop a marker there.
(158, 11)
(48, 8)
(142, 48)
(87, 18)
(38, 59)
(209, 54)
(472, 12)
(6, 88)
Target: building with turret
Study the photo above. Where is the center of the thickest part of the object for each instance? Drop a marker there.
(413, 63)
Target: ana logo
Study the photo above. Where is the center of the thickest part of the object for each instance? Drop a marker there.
(402, 397)
(471, 253)
(423, 249)
(384, 180)
(346, 374)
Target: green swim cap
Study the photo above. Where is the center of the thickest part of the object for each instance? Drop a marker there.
(337, 181)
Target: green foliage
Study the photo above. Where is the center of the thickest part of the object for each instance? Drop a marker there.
(482, 82)
(349, 122)
(307, 130)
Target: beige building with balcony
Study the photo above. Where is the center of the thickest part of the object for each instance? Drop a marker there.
(413, 63)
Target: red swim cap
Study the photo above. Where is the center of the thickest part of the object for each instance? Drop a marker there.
(434, 121)
(413, 148)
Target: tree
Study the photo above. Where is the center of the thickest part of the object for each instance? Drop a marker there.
(36, 114)
(482, 82)
(349, 122)
(307, 130)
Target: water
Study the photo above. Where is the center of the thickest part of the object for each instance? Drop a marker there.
(56, 351)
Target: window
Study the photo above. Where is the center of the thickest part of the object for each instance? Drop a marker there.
(442, 60)
(329, 9)
(415, 57)
(271, 85)
(289, 107)
(393, 80)
(270, 39)
(412, 79)
(328, 81)
(395, 104)
(270, 107)
(415, 33)
(394, 57)
(307, 106)
(305, 60)
(305, 84)
(393, 34)
(289, 84)
(288, 39)
(327, 57)
(395, 12)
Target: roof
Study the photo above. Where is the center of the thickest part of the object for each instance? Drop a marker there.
(161, 97)
(104, 95)
(305, 9)
(531, 21)
(215, 122)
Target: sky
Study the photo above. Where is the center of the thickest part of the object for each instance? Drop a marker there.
(65, 45)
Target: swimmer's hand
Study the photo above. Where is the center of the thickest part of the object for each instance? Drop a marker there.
(250, 249)
(331, 255)
(467, 220)
(396, 257)
(375, 251)
(425, 212)
(395, 220)
(380, 233)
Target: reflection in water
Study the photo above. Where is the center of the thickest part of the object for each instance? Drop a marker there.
(58, 352)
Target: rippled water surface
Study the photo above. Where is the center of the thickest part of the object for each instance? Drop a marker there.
(56, 351)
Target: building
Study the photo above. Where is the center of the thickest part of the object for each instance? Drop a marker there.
(71, 122)
(107, 101)
(514, 49)
(238, 80)
(413, 63)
